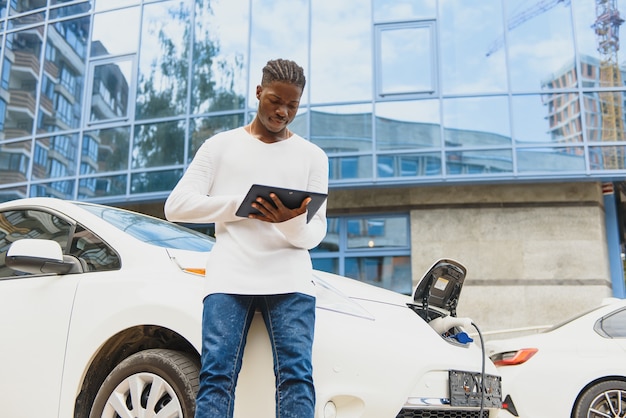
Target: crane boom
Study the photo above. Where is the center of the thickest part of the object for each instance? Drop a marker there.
(522, 17)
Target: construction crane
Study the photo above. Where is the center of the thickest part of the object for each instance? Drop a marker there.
(606, 27)
(522, 17)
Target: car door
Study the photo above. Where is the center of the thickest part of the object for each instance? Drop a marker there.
(35, 313)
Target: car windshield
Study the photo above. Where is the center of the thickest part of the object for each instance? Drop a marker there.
(151, 230)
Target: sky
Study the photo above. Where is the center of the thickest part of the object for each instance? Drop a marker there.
(341, 60)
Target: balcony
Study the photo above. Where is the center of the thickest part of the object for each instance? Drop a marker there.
(22, 102)
(26, 61)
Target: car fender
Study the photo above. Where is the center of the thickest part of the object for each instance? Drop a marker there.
(94, 323)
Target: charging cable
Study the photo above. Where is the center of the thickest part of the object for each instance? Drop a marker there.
(482, 372)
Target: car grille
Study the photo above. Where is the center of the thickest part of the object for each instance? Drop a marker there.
(448, 413)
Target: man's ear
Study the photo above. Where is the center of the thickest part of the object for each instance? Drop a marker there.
(259, 89)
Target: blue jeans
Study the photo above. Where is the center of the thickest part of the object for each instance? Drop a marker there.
(290, 322)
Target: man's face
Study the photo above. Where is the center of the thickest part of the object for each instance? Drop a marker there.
(278, 105)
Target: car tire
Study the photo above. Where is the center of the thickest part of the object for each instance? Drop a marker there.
(128, 389)
(603, 397)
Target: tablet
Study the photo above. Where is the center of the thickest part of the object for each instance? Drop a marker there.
(291, 198)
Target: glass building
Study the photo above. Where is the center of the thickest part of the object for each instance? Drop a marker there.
(497, 103)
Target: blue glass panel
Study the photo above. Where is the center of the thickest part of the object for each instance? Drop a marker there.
(599, 27)
(60, 159)
(341, 54)
(63, 189)
(113, 4)
(479, 162)
(408, 125)
(607, 157)
(110, 92)
(270, 40)
(159, 144)
(105, 150)
(28, 20)
(547, 118)
(74, 9)
(405, 59)
(12, 193)
(103, 186)
(164, 60)
(342, 128)
(14, 161)
(220, 56)
(466, 66)
(477, 121)
(394, 10)
(154, 181)
(350, 167)
(605, 116)
(551, 160)
(3, 109)
(540, 42)
(409, 165)
(123, 40)
(26, 57)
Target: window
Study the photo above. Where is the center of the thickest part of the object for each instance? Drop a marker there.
(96, 254)
(405, 59)
(16, 162)
(68, 79)
(109, 90)
(64, 110)
(613, 325)
(3, 109)
(73, 239)
(371, 249)
(6, 72)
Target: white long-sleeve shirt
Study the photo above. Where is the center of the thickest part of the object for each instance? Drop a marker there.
(252, 256)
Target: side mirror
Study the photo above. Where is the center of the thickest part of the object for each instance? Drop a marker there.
(40, 256)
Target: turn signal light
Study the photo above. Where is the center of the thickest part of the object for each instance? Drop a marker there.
(512, 358)
(197, 271)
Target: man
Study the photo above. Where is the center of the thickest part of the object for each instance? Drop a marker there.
(261, 262)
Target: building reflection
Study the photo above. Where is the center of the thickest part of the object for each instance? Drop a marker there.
(100, 118)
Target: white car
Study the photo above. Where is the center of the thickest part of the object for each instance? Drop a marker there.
(576, 369)
(100, 316)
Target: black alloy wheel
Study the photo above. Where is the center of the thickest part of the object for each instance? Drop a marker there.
(603, 400)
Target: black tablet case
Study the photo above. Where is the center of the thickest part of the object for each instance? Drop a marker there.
(291, 198)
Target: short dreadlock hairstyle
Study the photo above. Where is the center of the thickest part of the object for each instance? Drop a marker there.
(283, 70)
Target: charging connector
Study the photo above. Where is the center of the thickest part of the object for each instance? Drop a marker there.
(444, 323)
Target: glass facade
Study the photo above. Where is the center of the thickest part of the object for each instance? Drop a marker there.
(108, 100)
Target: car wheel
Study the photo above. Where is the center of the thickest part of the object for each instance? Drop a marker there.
(605, 399)
(150, 383)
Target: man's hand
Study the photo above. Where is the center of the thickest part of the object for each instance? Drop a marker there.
(275, 211)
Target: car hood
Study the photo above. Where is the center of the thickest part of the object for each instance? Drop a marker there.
(440, 287)
(355, 289)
